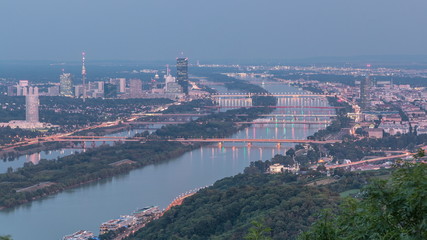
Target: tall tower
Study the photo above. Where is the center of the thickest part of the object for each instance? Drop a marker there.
(182, 73)
(32, 105)
(84, 75)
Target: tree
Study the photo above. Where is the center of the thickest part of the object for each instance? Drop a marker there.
(393, 209)
(258, 232)
(322, 229)
(5, 237)
(290, 152)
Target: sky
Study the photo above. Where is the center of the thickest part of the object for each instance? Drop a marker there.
(150, 30)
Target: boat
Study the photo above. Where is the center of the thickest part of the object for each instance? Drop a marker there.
(80, 235)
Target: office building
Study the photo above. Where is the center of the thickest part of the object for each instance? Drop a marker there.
(78, 91)
(66, 85)
(182, 73)
(135, 88)
(32, 104)
(53, 91)
(20, 88)
(122, 85)
(110, 90)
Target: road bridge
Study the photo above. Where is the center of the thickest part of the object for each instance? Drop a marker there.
(290, 115)
(301, 107)
(248, 140)
(248, 95)
(171, 114)
(151, 123)
(189, 140)
(286, 122)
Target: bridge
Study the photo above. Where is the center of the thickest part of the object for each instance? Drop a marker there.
(286, 122)
(171, 114)
(248, 95)
(90, 139)
(290, 115)
(308, 107)
(183, 140)
(249, 140)
(150, 123)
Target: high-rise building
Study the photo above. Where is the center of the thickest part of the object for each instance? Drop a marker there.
(66, 87)
(122, 85)
(53, 91)
(182, 73)
(365, 93)
(32, 104)
(110, 90)
(78, 91)
(20, 88)
(135, 88)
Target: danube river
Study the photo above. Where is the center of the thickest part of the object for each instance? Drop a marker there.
(88, 206)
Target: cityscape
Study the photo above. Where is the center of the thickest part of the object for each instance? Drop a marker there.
(276, 128)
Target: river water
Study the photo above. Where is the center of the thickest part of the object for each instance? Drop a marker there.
(88, 206)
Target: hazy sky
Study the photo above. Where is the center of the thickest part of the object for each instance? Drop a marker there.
(215, 29)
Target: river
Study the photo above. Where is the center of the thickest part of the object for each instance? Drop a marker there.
(88, 206)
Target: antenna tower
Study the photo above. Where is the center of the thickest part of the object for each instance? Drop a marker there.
(84, 75)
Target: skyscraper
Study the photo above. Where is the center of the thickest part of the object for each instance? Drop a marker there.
(32, 105)
(135, 88)
(122, 88)
(20, 88)
(110, 90)
(66, 87)
(182, 73)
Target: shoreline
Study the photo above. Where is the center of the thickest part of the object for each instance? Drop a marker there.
(121, 170)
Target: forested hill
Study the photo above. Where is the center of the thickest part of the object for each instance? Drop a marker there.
(226, 210)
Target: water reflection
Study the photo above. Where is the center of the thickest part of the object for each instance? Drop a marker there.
(86, 207)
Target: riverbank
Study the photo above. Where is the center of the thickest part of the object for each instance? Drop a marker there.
(155, 184)
(95, 165)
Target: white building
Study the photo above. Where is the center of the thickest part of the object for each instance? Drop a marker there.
(32, 105)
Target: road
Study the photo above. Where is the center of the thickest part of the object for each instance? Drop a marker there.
(406, 154)
(32, 141)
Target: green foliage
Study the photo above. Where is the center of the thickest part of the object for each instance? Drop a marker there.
(81, 168)
(9, 135)
(5, 237)
(258, 232)
(228, 209)
(95, 164)
(341, 121)
(393, 209)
